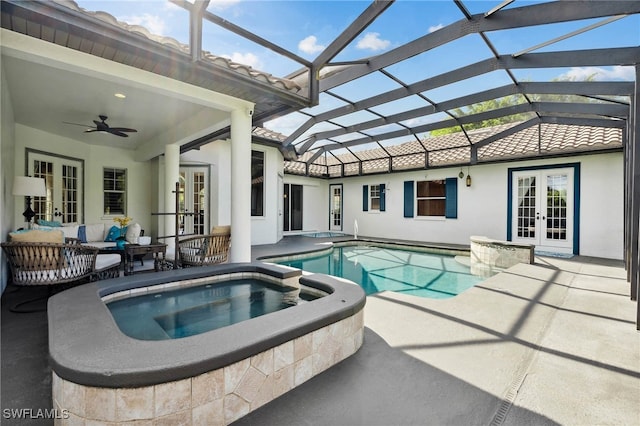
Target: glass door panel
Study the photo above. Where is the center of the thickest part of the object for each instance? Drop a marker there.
(64, 183)
(335, 212)
(543, 209)
(193, 201)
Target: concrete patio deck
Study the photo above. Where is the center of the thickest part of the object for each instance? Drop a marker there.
(549, 343)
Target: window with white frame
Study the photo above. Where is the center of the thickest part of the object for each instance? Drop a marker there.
(431, 198)
(374, 197)
(114, 191)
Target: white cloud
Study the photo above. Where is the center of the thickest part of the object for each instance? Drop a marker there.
(286, 124)
(616, 72)
(372, 41)
(222, 4)
(435, 27)
(310, 45)
(154, 23)
(245, 59)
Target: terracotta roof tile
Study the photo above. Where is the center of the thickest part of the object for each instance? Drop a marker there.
(455, 148)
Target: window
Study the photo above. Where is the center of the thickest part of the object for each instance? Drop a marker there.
(115, 191)
(431, 198)
(257, 183)
(373, 197)
(434, 198)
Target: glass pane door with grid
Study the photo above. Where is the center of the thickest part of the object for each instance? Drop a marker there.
(543, 209)
(64, 183)
(194, 196)
(335, 212)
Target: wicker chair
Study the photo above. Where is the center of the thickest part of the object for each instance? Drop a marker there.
(56, 266)
(204, 250)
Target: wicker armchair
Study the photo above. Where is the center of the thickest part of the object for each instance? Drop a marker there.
(56, 265)
(204, 250)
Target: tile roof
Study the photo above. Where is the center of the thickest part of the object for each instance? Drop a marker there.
(455, 149)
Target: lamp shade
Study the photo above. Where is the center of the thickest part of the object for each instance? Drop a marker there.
(31, 186)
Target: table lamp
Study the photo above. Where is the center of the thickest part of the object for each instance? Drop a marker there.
(29, 187)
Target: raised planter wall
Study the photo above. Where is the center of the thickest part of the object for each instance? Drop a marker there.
(488, 255)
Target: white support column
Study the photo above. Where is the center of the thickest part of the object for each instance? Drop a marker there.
(171, 176)
(240, 185)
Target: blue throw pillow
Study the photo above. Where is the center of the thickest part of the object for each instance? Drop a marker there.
(53, 223)
(82, 233)
(114, 234)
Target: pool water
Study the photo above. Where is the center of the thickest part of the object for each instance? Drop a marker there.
(185, 312)
(378, 269)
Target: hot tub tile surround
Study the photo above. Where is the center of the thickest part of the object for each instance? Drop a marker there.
(225, 392)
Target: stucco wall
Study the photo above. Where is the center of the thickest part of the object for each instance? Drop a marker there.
(482, 208)
(264, 229)
(315, 202)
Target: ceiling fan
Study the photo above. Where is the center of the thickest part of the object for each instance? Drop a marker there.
(102, 126)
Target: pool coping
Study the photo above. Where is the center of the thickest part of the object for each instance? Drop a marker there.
(327, 246)
(87, 347)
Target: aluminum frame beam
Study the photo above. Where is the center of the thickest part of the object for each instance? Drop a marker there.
(592, 57)
(546, 13)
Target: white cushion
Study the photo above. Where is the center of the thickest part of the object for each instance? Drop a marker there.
(94, 232)
(69, 231)
(133, 232)
(100, 244)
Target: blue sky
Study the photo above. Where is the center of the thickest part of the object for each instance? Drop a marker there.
(307, 27)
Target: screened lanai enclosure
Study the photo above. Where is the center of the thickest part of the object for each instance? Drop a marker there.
(517, 83)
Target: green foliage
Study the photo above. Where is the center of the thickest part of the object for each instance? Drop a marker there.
(508, 101)
(489, 105)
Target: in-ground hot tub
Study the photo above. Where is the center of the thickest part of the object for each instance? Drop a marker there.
(100, 374)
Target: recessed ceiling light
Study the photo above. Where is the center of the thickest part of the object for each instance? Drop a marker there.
(120, 95)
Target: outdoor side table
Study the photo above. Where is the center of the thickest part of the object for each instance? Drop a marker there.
(132, 250)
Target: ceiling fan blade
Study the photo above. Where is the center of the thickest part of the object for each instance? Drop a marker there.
(117, 133)
(123, 129)
(91, 130)
(77, 124)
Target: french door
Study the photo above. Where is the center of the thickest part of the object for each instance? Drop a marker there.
(543, 209)
(335, 208)
(64, 182)
(194, 200)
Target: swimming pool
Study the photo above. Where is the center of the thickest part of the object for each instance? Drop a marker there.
(184, 312)
(377, 269)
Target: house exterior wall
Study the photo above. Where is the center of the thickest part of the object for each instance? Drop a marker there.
(315, 202)
(264, 229)
(482, 207)
(139, 198)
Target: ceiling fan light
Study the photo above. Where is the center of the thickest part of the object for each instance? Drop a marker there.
(120, 95)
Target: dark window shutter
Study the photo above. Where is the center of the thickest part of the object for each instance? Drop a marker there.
(382, 197)
(451, 203)
(365, 198)
(408, 198)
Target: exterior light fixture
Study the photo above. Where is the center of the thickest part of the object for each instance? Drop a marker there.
(468, 180)
(461, 174)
